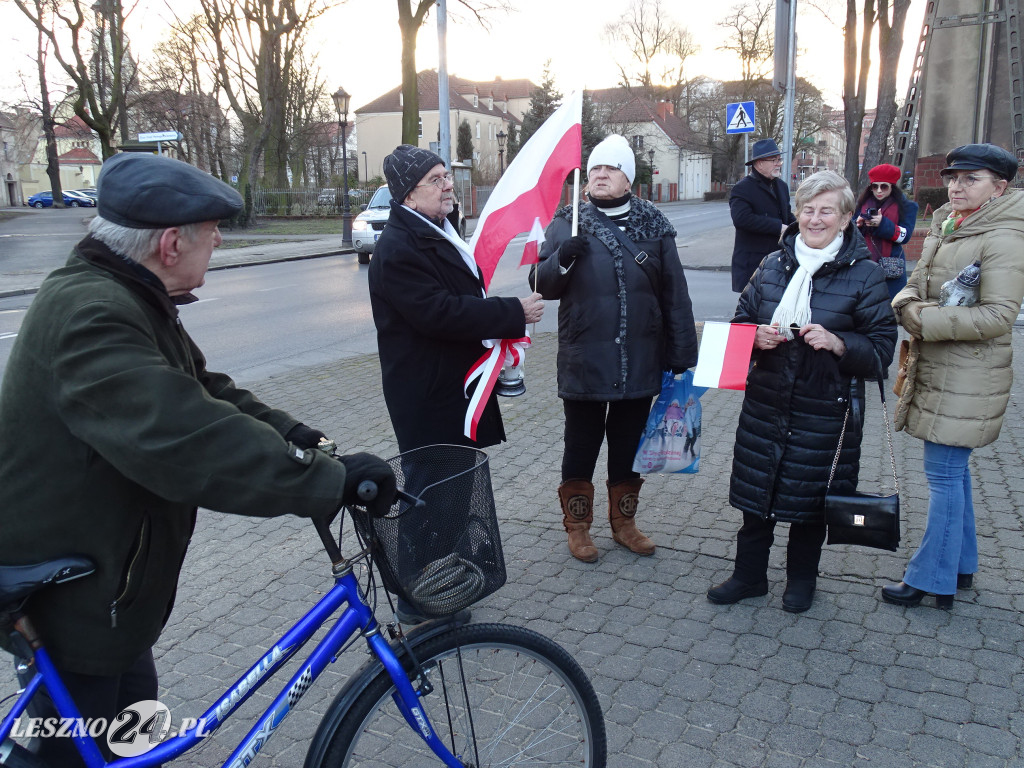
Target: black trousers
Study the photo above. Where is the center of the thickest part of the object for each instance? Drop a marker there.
(587, 423)
(95, 696)
(754, 542)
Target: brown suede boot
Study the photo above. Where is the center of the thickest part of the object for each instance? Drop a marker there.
(623, 498)
(577, 498)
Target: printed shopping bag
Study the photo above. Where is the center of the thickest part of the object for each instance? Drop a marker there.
(671, 439)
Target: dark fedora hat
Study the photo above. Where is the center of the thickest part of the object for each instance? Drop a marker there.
(762, 149)
(974, 157)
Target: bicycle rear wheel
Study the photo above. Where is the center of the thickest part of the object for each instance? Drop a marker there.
(503, 695)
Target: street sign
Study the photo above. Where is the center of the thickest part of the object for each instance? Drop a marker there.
(739, 117)
(160, 136)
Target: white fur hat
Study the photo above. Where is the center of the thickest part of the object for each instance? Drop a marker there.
(616, 152)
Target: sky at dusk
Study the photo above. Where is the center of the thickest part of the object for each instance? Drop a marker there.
(358, 45)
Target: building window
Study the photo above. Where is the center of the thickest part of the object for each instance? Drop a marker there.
(478, 129)
(638, 143)
(420, 128)
(490, 131)
(476, 103)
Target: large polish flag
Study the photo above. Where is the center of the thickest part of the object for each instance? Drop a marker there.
(724, 358)
(531, 185)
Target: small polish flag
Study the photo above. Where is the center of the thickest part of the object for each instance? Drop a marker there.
(531, 252)
(724, 357)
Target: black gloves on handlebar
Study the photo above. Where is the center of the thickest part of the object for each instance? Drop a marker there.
(571, 249)
(304, 437)
(362, 467)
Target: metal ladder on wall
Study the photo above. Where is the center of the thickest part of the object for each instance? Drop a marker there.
(906, 137)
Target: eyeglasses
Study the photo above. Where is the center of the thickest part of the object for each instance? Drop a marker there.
(881, 186)
(966, 180)
(439, 182)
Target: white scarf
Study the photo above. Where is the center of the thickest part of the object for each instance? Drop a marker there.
(460, 245)
(795, 306)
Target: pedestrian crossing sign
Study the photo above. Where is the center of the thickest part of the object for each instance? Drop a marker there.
(739, 117)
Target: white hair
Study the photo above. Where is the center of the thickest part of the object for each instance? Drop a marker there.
(134, 244)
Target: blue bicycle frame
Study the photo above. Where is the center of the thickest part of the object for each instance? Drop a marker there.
(355, 617)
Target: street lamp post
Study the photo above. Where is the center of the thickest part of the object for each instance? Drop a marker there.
(501, 152)
(366, 169)
(650, 157)
(341, 100)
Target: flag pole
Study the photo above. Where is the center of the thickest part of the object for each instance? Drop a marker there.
(575, 202)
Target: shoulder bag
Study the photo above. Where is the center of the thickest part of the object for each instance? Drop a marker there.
(865, 519)
(642, 258)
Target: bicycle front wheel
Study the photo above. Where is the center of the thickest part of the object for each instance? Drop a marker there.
(502, 696)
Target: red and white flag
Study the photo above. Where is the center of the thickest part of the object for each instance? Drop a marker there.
(724, 358)
(531, 251)
(531, 186)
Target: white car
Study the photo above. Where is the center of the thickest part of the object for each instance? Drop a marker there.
(367, 226)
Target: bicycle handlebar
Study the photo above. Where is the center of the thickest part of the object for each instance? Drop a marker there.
(367, 491)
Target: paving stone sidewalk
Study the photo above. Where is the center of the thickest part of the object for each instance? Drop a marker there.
(852, 682)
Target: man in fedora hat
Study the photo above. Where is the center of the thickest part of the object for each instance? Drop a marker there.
(760, 210)
(113, 431)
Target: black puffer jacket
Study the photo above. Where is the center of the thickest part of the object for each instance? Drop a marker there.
(616, 332)
(796, 397)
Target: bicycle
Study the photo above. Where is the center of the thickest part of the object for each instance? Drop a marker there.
(448, 692)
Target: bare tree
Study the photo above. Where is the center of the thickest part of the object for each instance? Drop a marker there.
(751, 36)
(257, 55)
(855, 77)
(411, 15)
(49, 135)
(94, 56)
(680, 89)
(646, 31)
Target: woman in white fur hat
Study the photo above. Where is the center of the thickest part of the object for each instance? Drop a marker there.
(624, 317)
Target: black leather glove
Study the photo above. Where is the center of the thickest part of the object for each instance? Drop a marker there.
(571, 249)
(677, 371)
(366, 466)
(304, 437)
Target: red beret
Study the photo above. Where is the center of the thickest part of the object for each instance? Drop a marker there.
(885, 172)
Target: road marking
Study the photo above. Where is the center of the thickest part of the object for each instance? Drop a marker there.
(4, 336)
(276, 288)
(203, 301)
(11, 311)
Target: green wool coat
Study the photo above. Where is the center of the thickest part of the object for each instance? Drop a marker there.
(959, 378)
(112, 432)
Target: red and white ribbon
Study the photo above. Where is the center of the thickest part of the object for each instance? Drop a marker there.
(485, 371)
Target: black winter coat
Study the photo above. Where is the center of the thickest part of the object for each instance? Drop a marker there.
(759, 207)
(431, 316)
(617, 332)
(796, 397)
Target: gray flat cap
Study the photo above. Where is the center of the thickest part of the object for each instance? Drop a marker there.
(144, 191)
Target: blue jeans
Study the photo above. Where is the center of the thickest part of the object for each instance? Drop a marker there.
(950, 545)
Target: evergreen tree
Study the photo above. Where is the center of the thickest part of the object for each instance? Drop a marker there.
(543, 102)
(593, 131)
(512, 144)
(464, 144)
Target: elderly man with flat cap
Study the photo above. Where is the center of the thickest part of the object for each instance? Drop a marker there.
(760, 210)
(113, 432)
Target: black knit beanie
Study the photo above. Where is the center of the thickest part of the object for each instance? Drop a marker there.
(405, 168)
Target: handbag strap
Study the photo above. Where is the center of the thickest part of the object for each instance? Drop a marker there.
(888, 438)
(640, 257)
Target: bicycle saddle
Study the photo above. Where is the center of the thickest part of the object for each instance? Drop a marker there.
(19, 581)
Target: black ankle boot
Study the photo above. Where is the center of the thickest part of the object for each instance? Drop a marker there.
(732, 590)
(798, 596)
(904, 594)
(964, 580)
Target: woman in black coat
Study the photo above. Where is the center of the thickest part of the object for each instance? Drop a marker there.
(824, 323)
(620, 324)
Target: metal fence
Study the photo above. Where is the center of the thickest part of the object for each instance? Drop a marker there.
(308, 201)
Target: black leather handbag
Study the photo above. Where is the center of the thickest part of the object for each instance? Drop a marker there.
(864, 519)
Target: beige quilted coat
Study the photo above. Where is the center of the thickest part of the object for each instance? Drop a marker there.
(960, 371)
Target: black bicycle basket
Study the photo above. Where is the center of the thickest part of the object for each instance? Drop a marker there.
(446, 555)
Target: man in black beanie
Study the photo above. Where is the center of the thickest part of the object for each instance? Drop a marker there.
(113, 432)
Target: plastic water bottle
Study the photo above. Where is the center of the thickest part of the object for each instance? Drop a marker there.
(962, 290)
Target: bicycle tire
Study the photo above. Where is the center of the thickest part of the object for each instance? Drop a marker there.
(530, 701)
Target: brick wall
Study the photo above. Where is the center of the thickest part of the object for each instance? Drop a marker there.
(926, 171)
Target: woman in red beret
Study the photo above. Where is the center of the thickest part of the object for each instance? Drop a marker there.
(886, 218)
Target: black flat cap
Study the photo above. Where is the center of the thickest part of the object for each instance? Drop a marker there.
(144, 191)
(974, 157)
(405, 168)
(762, 149)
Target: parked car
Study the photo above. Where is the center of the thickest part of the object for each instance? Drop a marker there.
(367, 226)
(329, 197)
(80, 197)
(71, 200)
(90, 192)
